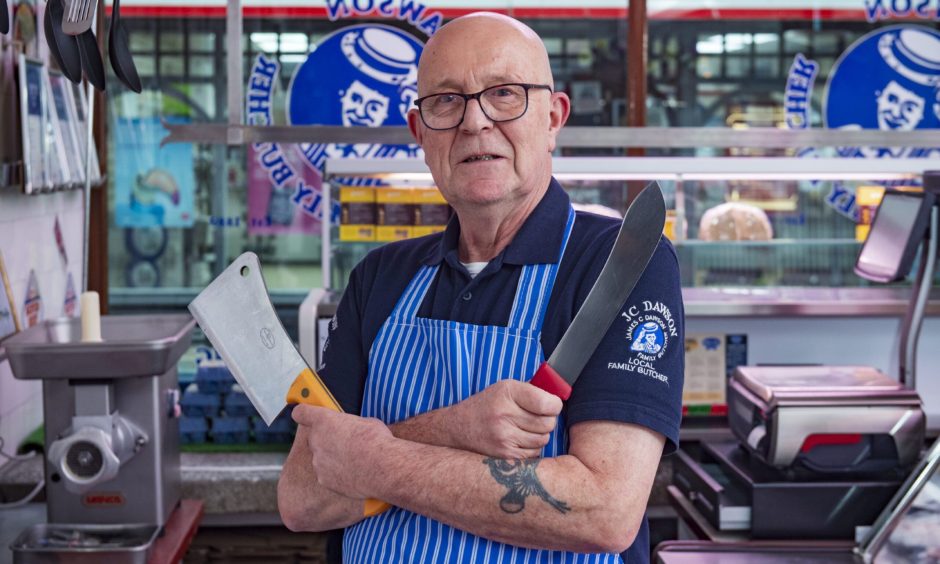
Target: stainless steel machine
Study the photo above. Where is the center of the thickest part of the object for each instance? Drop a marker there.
(821, 450)
(111, 433)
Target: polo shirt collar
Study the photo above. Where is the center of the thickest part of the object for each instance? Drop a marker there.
(537, 242)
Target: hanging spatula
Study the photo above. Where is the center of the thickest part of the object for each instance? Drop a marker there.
(64, 47)
(79, 15)
(119, 51)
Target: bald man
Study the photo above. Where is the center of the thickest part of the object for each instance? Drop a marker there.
(435, 338)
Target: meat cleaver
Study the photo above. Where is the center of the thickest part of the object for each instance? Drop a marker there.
(636, 242)
(237, 316)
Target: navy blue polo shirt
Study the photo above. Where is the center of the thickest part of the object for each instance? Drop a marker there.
(635, 375)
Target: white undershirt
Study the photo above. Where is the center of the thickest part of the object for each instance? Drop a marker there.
(474, 268)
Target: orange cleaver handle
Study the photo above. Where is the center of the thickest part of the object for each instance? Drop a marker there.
(309, 389)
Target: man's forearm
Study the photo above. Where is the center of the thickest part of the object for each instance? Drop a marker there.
(304, 504)
(430, 428)
(555, 503)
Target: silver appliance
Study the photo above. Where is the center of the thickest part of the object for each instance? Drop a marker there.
(111, 413)
(825, 419)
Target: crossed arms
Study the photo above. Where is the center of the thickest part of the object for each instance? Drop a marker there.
(473, 466)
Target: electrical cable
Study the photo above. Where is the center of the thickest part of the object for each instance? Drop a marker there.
(13, 458)
(29, 497)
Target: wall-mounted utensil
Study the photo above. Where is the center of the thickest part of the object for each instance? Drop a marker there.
(63, 46)
(79, 15)
(4, 17)
(91, 59)
(119, 51)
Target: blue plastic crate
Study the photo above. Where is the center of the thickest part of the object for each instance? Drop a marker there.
(194, 430)
(196, 403)
(230, 430)
(213, 377)
(281, 430)
(237, 404)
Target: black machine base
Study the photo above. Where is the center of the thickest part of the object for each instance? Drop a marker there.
(735, 491)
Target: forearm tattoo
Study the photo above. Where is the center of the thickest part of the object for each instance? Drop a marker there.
(520, 478)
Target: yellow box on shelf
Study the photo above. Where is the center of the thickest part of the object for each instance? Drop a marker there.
(867, 199)
(395, 210)
(357, 213)
(431, 211)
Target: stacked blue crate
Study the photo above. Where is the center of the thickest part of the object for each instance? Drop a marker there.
(237, 404)
(281, 431)
(194, 430)
(196, 403)
(213, 377)
(230, 430)
(215, 380)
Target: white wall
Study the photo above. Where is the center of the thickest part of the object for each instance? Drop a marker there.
(27, 242)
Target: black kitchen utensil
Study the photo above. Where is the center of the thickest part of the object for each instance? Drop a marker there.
(63, 46)
(4, 17)
(119, 51)
(91, 59)
(79, 17)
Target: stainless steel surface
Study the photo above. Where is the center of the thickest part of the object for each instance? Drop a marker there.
(899, 504)
(86, 186)
(572, 136)
(650, 168)
(778, 383)
(910, 332)
(721, 554)
(799, 401)
(237, 316)
(136, 429)
(639, 236)
(94, 449)
(84, 544)
(132, 346)
(234, 61)
(794, 424)
(147, 487)
(801, 302)
(15, 521)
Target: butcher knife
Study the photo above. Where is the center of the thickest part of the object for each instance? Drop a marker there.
(636, 242)
(237, 316)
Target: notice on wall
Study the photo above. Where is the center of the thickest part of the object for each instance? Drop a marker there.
(32, 303)
(153, 186)
(705, 370)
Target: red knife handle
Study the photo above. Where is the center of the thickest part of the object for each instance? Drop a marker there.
(547, 379)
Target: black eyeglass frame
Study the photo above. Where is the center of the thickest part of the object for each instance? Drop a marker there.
(476, 96)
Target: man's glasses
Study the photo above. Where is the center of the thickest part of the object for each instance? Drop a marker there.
(503, 102)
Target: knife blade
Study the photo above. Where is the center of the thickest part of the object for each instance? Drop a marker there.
(237, 316)
(636, 242)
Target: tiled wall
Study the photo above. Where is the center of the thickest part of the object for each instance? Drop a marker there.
(28, 243)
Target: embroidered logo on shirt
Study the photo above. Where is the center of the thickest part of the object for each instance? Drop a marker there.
(650, 328)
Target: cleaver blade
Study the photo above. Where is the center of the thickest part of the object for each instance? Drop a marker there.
(237, 316)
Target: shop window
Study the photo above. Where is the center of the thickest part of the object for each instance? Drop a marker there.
(142, 41)
(202, 66)
(202, 41)
(172, 42)
(796, 41)
(172, 65)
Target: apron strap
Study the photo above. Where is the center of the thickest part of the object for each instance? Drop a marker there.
(410, 300)
(535, 287)
(532, 292)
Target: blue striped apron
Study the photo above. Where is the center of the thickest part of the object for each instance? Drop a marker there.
(417, 365)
